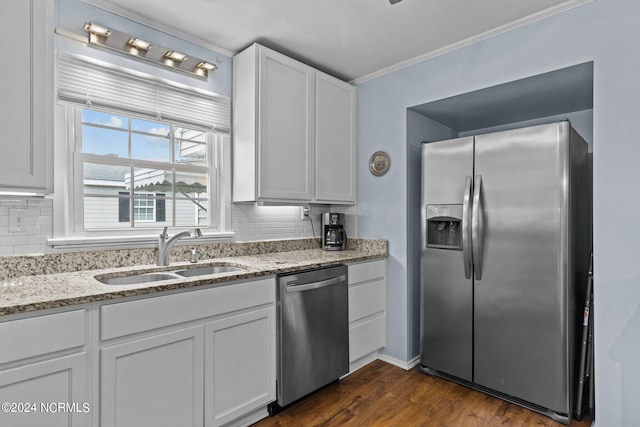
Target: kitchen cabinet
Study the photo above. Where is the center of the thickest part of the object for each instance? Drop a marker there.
(293, 132)
(335, 148)
(26, 110)
(240, 362)
(43, 364)
(201, 357)
(367, 311)
(153, 381)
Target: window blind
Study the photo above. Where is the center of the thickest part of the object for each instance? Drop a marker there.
(89, 84)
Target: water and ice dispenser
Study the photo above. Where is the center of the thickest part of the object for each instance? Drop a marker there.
(444, 226)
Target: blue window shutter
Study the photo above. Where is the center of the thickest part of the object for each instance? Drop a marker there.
(160, 207)
(123, 207)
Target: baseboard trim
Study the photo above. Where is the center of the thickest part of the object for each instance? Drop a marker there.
(400, 363)
(250, 418)
(362, 362)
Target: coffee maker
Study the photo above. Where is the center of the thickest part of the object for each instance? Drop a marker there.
(334, 238)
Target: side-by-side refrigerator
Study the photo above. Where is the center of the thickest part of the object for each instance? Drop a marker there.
(506, 241)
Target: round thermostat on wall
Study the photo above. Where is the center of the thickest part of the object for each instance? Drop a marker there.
(379, 163)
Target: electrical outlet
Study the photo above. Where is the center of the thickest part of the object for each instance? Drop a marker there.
(304, 212)
(18, 221)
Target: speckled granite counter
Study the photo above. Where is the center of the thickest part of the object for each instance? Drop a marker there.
(31, 283)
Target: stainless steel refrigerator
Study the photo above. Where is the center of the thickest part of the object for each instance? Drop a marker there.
(506, 232)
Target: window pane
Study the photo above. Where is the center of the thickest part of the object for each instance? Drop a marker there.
(103, 141)
(154, 128)
(192, 135)
(162, 215)
(105, 119)
(150, 147)
(105, 179)
(191, 213)
(190, 184)
(153, 181)
(190, 146)
(192, 153)
(106, 212)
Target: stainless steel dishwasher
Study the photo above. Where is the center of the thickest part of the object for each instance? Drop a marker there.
(313, 332)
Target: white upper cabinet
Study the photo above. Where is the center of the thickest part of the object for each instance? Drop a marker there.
(26, 109)
(293, 131)
(335, 147)
(285, 135)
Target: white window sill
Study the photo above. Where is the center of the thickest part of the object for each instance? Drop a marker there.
(128, 242)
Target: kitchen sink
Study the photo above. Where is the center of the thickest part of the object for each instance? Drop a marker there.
(138, 279)
(141, 278)
(212, 269)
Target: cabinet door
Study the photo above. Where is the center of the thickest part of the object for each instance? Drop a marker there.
(50, 393)
(240, 365)
(335, 141)
(26, 108)
(367, 310)
(156, 381)
(286, 123)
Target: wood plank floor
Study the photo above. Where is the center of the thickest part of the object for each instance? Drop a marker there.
(381, 394)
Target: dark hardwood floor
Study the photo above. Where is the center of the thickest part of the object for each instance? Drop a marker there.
(381, 394)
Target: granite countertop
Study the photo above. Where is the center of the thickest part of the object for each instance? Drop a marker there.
(30, 293)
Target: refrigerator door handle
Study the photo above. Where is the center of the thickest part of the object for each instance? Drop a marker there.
(466, 228)
(477, 227)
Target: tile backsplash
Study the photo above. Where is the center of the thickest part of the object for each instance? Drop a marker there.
(39, 227)
(249, 221)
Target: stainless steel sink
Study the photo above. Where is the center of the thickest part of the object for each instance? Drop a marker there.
(212, 269)
(138, 278)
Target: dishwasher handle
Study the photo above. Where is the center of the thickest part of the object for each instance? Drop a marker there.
(296, 286)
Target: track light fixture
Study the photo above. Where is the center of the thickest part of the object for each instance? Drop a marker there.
(100, 35)
(139, 44)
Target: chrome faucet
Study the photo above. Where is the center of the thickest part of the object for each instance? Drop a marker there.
(165, 242)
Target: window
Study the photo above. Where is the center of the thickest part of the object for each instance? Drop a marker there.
(142, 173)
(141, 154)
(145, 208)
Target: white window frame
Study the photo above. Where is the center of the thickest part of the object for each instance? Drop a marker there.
(80, 157)
(147, 208)
(69, 233)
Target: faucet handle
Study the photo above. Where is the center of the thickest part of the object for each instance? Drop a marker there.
(195, 255)
(164, 234)
(197, 232)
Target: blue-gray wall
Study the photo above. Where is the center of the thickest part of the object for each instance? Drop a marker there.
(606, 32)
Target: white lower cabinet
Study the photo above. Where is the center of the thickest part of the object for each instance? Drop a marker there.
(197, 358)
(367, 311)
(240, 365)
(156, 381)
(49, 393)
(204, 357)
(43, 371)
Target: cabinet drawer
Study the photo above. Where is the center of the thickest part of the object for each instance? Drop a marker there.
(367, 299)
(131, 317)
(35, 336)
(367, 337)
(365, 271)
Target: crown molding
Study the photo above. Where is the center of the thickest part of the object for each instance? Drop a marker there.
(471, 40)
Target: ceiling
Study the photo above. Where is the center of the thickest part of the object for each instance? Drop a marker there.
(554, 93)
(351, 39)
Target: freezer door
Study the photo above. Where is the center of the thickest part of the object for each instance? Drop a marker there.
(520, 306)
(447, 310)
